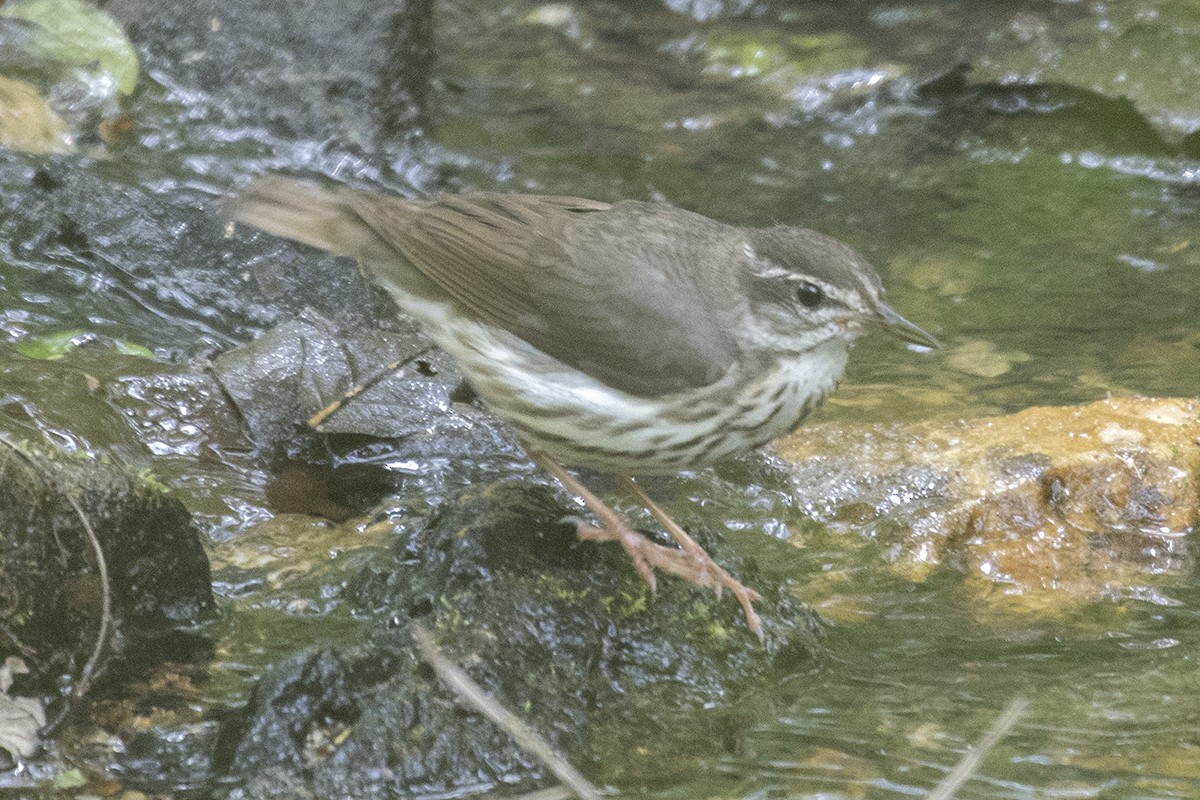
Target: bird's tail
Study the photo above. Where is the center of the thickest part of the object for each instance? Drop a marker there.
(303, 212)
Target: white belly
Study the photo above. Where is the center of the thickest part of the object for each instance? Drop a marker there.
(583, 422)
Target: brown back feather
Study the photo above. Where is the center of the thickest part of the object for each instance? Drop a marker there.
(631, 293)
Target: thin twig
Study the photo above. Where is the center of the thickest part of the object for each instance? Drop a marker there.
(318, 419)
(552, 793)
(83, 682)
(974, 757)
(526, 737)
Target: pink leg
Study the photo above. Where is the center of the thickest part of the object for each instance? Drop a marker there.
(689, 561)
(708, 572)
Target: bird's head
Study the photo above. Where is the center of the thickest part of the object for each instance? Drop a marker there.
(807, 290)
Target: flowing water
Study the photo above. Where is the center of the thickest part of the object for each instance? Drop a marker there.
(1050, 236)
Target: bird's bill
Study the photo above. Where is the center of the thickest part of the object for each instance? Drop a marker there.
(899, 326)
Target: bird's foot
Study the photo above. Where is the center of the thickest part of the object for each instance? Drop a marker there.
(647, 556)
(716, 575)
(690, 563)
(689, 560)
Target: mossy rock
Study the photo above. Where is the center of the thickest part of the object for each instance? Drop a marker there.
(50, 588)
(627, 684)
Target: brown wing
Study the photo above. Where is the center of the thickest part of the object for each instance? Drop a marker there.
(636, 294)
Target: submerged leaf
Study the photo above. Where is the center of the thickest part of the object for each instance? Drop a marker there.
(73, 33)
(51, 346)
(27, 123)
(20, 717)
(56, 345)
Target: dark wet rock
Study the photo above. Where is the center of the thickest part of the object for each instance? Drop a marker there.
(402, 408)
(157, 754)
(1081, 502)
(560, 631)
(312, 73)
(157, 570)
(159, 261)
(1191, 144)
(134, 242)
(1069, 116)
(405, 86)
(328, 726)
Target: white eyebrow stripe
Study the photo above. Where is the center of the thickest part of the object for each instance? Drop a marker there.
(765, 268)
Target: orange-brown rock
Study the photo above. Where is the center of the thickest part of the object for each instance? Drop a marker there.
(1094, 500)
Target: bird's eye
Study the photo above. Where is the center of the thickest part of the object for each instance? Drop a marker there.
(808, 294)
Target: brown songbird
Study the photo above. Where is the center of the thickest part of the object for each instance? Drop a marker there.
(632, 338)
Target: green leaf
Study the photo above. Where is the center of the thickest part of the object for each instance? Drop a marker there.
(57, 345)
(130, 349)
(73, 33)
(52, 346)
(71, 779)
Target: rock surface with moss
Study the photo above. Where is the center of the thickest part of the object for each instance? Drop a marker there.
(52, 592)
(560, 631)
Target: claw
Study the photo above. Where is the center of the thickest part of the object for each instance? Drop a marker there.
(632, 542)
(590, 533)
(689, 560)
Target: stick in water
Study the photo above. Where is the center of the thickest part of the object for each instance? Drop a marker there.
(974, 757)
(473, 694)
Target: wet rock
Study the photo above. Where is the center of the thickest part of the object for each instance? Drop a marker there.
(157, 571)
(560, 631)
(303, 366)
(358, 398)
(159, 261)
(1120, 50)
(145, 413)
(1069, 116)
(1089, 501)
(305, 74)
(163, 751)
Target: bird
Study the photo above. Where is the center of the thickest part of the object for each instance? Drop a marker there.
(632, 338)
